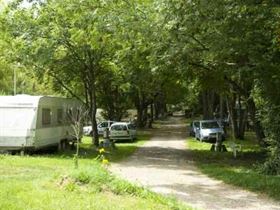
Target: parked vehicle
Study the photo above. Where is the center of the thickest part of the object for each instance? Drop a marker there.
(103, 125)
(34, 122)
(208, 130)
(123, 131)
(193, 127)
(87, 130)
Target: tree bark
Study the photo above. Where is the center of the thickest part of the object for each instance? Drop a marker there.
(238, 116)
(156, 110)
(91, 84)
(208, 104)
(152, 112)
(151, 118)
(141, 119)
(241, 120)
(233, 115)
(160, 106)
(221, 110)
(140, 106)
(94, 123)
(256, 123)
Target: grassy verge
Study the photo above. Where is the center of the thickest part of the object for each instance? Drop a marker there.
(52, 183)
(123, 149)
(49, 181)
(240, 171)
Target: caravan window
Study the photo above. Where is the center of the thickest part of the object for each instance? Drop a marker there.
(46, 116)
(59, 116)
(69, 115)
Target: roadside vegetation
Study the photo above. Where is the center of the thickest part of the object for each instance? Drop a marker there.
(218, 59)
(123, 149)
(242, 171)
(50, 181)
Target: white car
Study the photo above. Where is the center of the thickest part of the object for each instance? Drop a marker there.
(103, 125)
(87, 130)
(100, 128)
(123, 131)
(193, 127)
(208, 130)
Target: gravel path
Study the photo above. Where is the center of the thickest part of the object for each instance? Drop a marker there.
(162, 165)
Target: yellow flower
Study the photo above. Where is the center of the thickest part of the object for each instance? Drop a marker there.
(102, 150)
(105, 161)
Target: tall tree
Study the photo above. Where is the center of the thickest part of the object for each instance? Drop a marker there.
(67, 40)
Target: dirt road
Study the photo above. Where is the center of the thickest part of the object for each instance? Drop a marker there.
(162, 165)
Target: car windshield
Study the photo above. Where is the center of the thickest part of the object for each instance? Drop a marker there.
(207, 125)
(119, 127)
(104, 124)
(111, 122)
(196, 124)
(131, 127)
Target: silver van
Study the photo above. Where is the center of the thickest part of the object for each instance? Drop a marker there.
(208, 131)
(122, 131)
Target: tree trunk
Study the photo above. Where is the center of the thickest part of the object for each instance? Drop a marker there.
(238, 117)
(141, 111)
(221, 110)
(242, 123)
(204, 106)
(232, 114)
(208, 104)
(241, 120)
(93, 109)
(151, 117)
(256, 123)
(211, 100)
(160, 106)
(141, 117)
(156, 110)
(152, 112)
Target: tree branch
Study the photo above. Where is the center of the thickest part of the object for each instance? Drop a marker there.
(65, 86)
(237, 87)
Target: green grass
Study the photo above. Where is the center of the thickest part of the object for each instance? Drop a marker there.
(123, 149)
(241, 171)
(49, 181)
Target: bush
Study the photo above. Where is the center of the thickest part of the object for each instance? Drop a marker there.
(271, 122)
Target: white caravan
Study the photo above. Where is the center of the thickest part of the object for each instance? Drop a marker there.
(34, 122)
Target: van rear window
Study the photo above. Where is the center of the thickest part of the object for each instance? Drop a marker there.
(208, 125)
(119, 127)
